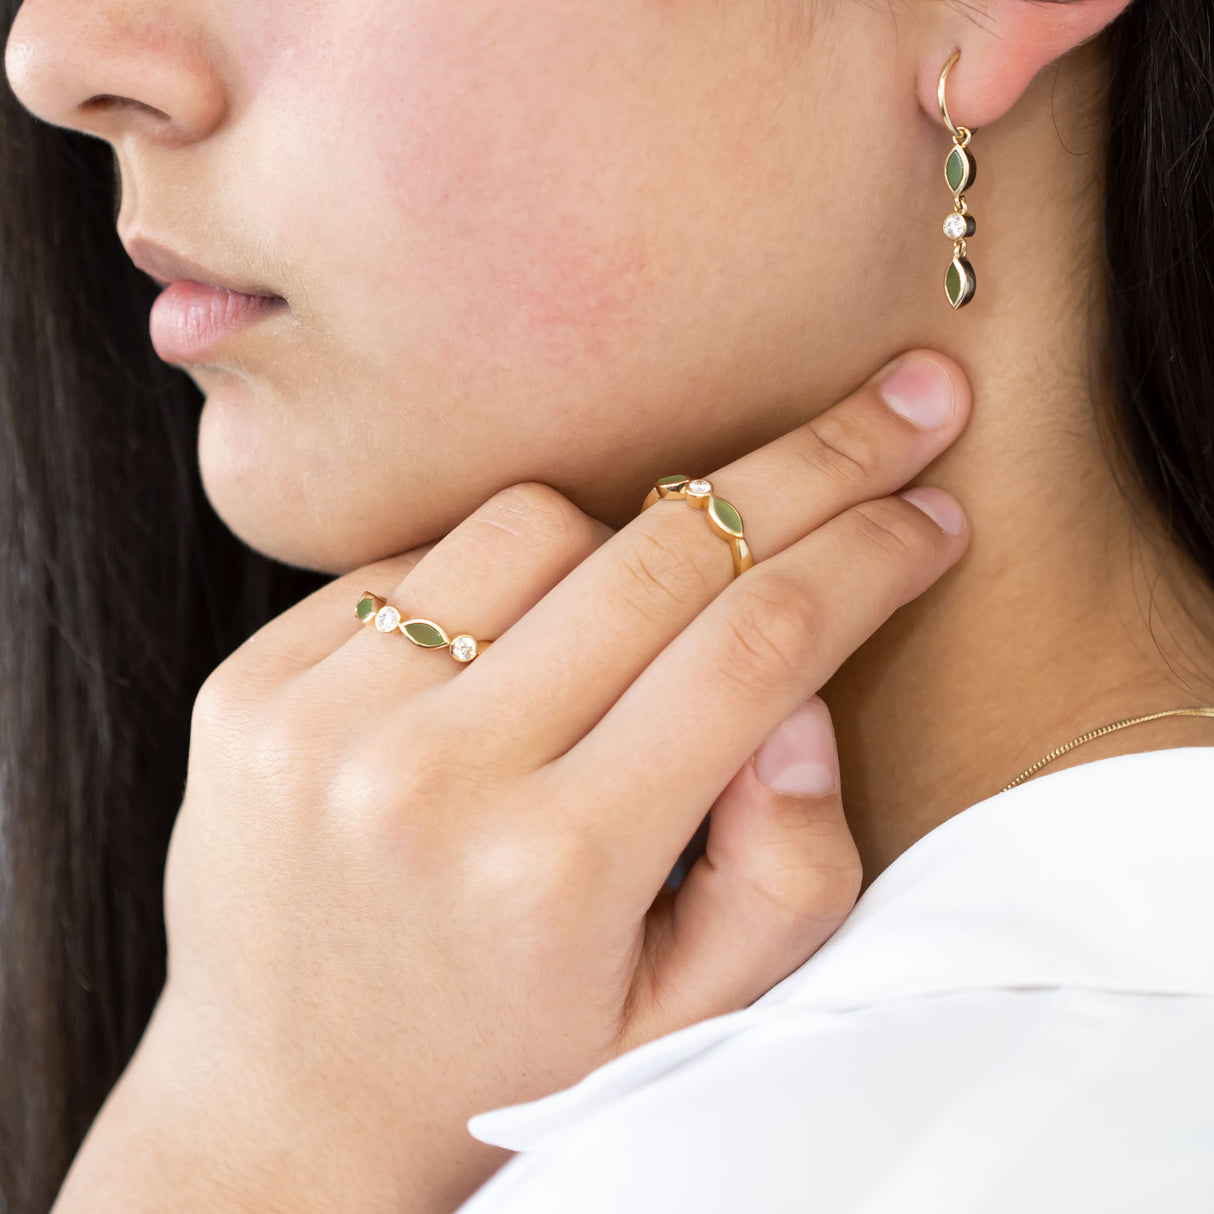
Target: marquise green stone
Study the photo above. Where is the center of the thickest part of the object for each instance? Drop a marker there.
(959, 282)
(673, 482)
(952, 283)
(425, 634)
(366, 608)
(959, 170)
(726, 515)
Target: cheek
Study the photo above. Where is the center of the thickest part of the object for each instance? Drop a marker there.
(493, 191)
(576, 229)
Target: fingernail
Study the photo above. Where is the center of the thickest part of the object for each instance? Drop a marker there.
(799, 757)
(938, 506)
(919, 389)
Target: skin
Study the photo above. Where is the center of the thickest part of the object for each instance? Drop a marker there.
(601, 271)
(584, 244)
(383, 922)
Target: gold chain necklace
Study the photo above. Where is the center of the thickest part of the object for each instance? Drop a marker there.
(1095, 733)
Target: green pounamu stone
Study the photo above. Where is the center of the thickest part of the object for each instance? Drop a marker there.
(366, 608)
(959, 170)
(959, 282)
(425, 634)
(726, 515)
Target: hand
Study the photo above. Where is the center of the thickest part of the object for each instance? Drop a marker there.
(401, 891)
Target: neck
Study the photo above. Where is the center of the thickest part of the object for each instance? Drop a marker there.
(1070, 610)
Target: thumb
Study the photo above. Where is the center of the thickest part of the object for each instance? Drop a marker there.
(779, 874)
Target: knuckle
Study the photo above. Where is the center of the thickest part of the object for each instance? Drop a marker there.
(814, 869)
(210, 703)
(813, 898)
(251, 743)
(537, 515)
(661, 570)
(282, 749)
(771, 621)
(299, 733)
(222, 710)
(826, 898)
(402, 794)
(528, 871)
(886, 527)
(414, 766)
(230, 703)
(841, 449)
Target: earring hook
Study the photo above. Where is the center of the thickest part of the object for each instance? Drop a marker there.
(960, 133)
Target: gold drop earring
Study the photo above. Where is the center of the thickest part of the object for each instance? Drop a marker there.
(959, 172)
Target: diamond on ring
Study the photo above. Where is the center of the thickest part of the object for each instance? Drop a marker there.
(463, 648)
(426, 634)
(387, 619)
(722, 516)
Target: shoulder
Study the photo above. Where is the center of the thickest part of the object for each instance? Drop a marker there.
(992, 1101)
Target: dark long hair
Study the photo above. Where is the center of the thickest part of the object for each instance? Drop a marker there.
(120, 590)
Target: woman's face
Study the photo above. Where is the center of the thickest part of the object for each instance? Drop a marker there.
(586, 242)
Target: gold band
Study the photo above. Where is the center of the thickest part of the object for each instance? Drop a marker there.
(722, 517)
(426, 634)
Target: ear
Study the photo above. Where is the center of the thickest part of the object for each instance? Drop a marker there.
(1003, 44)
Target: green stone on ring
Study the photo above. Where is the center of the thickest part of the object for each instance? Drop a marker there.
(366, 608)
(725, 516)
(425, 634)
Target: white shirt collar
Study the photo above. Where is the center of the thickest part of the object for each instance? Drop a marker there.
(1098, 876)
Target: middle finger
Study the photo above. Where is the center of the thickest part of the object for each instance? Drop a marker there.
(614, 613)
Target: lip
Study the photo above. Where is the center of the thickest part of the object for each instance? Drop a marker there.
(199, 310)
(191, 320)
(167, 267)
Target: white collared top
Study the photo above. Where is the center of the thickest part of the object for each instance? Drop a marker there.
(1016, 1018)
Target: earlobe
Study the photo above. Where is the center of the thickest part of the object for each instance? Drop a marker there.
(1002, 50)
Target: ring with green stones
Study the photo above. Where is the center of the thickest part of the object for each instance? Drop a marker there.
(426, 634)
(722, 517)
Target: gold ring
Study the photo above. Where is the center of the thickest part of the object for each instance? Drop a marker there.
(372, 609)
(722, 517)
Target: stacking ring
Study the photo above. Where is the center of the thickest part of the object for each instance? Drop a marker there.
(371, 609)
(722, 517)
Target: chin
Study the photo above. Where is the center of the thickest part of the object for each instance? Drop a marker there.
(269, 525)
(277, 528)
(277, 495)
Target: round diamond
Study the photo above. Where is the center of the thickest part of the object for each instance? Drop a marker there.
(700, 488)
(954, 227)
(387, 618)
(463, 648)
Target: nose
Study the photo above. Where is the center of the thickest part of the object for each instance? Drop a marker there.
(113, 68)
